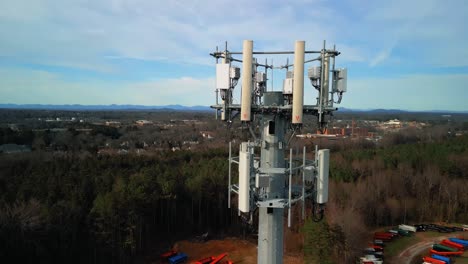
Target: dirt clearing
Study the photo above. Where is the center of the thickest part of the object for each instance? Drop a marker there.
(413, 253)
(239, 251)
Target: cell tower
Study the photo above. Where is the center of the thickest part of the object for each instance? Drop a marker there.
(267, 181)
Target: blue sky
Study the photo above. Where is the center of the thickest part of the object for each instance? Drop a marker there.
(409, 55)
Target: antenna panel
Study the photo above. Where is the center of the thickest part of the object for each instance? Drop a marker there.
(244, 177)
(235, 73)
(288, 85)
(314, 73)
(322, 179)
(260, 77)
(222, 76)
(262, 181)
(341, 80)
(309, 173)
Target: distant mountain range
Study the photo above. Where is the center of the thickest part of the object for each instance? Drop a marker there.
(176, 107)
(112, 107)
(399, 111)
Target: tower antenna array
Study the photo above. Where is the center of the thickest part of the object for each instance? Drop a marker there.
(266, 177)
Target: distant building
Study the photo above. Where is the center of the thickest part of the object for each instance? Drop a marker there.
(333, 131)
(357, 131)
(14, 148)
(140, 152)
(174, 149)
(56, 129)
(122, 151)
(207, 135)
(13, 127)
(190, 143)
(143, 122)
(394, 123)
(84, 130)
(113, 123)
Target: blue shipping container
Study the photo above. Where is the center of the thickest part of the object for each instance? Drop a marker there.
(179, 258)
(459, 241)
(446, 259)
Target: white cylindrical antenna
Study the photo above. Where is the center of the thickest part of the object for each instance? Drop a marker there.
(244, 177)
(322, 177)
(246, 103)
(298, 90)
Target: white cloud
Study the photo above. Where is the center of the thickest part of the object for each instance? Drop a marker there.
(84, 32)
(350, 54)
(81, 33)
(30, 87)
(99, 35)
(381, 57)
(430, 32)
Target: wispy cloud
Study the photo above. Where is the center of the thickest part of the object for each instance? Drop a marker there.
(150, 30)
(36, 86)
(100, 37)
(381, 57)
(155, 30)
(424, 29)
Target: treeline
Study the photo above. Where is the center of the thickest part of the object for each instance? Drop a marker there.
(89, 137)
(70, 207)
(35, 118)
(107, 209)
(432, 118)
(388, 185)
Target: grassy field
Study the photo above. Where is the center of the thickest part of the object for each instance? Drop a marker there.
(398, 245)
(462, 260)
(430, 234)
